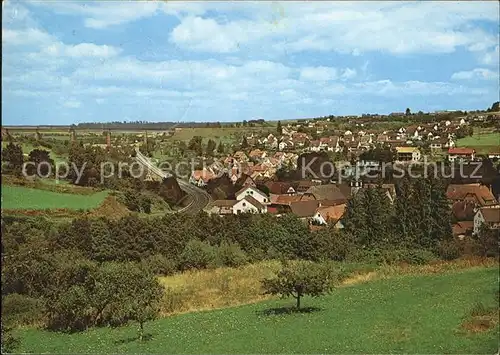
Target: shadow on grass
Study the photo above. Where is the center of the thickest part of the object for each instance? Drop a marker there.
(145, 338)
(287, 310)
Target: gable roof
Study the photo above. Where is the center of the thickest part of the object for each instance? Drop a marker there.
(482, 194)
(326, 192)
(251, 188)
(491, 215)
(304, 208)
(461, 151)
(331, 213)
(253, 202)
(278, 187)
(462, 227)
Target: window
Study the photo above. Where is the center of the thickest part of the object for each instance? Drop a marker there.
(244, 204)
(265, 200)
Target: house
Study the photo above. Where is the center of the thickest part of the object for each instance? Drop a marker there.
(479, 195)
(249, 205)
(245, 181)
(407, 154)
(332, 192)
(240, 156)
(461, 154)
(221, 207)
(252, 192)
(257, 154)
(494, 155)
(490, 216)
(329, 215)
(201, 177)
(462, 229)
(463, 210)
(280, 188)
(246, 205)
(305, 209)
(304, 185)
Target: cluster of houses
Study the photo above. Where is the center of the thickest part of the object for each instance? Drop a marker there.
(472, 205)
(439, 137)
(258, 164)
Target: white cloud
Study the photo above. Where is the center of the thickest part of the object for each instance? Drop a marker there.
(81, 50)
(26, 37)
(478, 73)
(349, 28)
(491, 57)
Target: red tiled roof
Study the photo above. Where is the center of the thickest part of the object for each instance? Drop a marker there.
(482, 194)
(461, 151)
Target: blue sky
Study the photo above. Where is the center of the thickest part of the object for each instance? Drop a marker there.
(69, 62)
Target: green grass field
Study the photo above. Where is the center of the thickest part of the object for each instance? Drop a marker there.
(406, 314)
(482, 143)
(23, 198)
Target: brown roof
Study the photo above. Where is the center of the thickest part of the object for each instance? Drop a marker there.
(463, 210)
(254, 202)
(481, 193)
(278, 187)
(304, 208)
(284, 199)
(327, 192)
(332, 213)
(491, 215)
(462, 227)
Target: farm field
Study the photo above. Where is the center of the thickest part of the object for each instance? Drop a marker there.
(224, 134)
(24, 198)
(482, 143)
(404, 314)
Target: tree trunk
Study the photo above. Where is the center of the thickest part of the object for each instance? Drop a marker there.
(298, 301)
(141, 331)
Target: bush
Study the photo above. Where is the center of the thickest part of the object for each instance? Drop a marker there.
(197, 255)
(230, 254)
(21, 310)
(160, 265)
(450, 249)
(393, 256)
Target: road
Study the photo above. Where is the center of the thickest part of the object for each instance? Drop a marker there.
(199, 198)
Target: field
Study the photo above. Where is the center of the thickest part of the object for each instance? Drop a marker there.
(483, 143)
(411, 313)
(224, 134)
(24, 198)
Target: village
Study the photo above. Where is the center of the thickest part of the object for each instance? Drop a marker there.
(254, 170)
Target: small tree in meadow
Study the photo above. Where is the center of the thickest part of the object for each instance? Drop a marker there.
(299, 279)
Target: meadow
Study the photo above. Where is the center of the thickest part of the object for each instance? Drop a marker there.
(483, 143)
(24, 198)
(415, 312)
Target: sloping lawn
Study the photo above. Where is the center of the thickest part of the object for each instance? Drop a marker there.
(483, 143)
(406, 314)
(23, 198)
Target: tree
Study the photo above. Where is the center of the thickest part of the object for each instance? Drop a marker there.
(298, 279)
(494, 107)
(221, 149)
(407, 112)
(38, 156)
(210, 147)
(244, 143)
(13, 156)
(279, 129)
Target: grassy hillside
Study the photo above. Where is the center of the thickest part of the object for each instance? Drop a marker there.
(410, 314)
(482, 143)
(23, 198)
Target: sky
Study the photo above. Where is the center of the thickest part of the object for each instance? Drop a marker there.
(70, 62)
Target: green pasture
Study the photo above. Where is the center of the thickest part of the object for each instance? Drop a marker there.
(407, 314)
